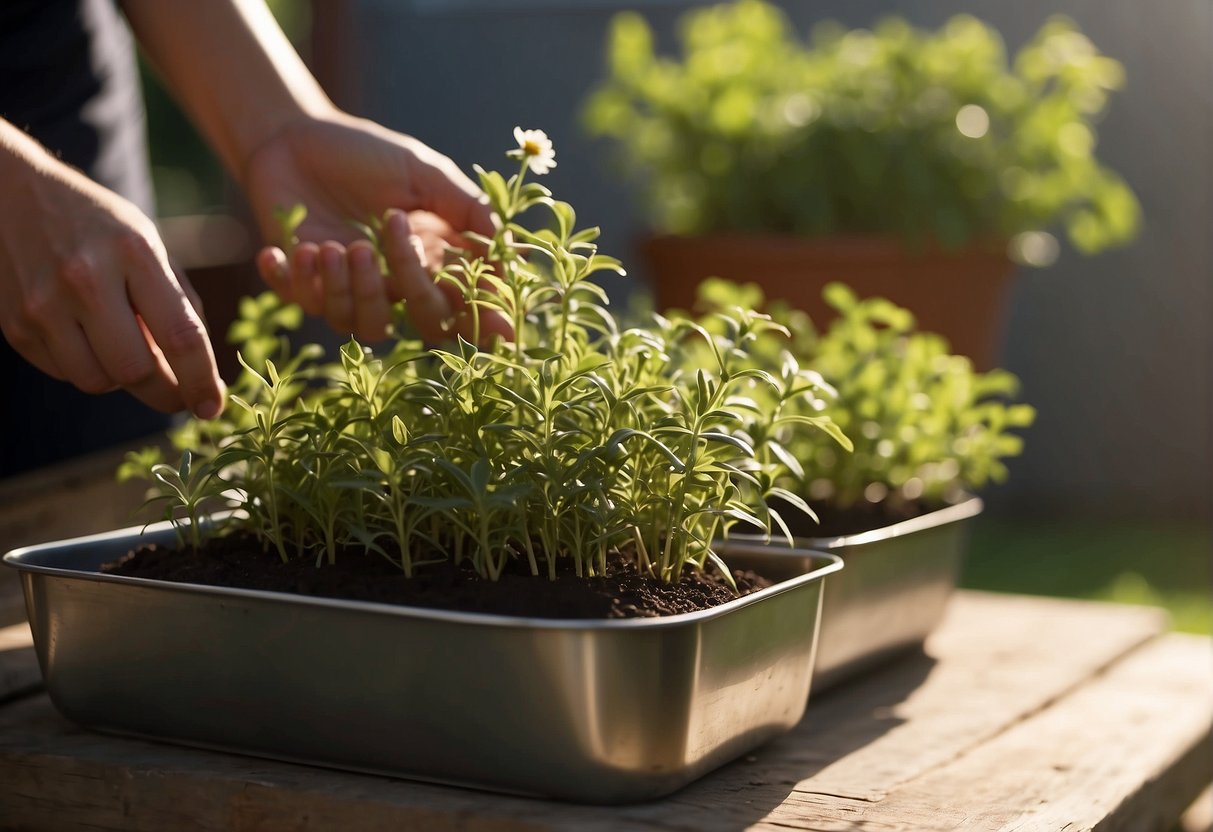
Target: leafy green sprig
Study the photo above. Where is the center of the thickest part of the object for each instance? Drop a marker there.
(572, 440)
(924, 425)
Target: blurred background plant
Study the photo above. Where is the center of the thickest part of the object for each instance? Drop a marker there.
(928, 135)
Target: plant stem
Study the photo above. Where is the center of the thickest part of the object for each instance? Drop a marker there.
(275, 523)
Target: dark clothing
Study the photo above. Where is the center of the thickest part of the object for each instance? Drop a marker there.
(68, 77)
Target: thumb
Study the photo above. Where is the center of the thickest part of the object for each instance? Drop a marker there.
(446, 191)
(409, 280)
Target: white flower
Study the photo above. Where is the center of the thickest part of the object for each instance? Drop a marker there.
(536, 148)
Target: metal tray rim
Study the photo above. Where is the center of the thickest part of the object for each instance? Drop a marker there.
(970, 506)
(16, 560)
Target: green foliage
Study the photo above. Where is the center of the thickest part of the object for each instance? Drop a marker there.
(1099, 558)
(289, 220)
(927, 135)
(576, 438)
(184, 491)
(924, 425)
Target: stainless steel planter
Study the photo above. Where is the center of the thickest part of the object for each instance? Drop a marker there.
(893, 591)
(598, 711)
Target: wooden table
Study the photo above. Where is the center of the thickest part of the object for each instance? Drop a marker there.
(1024, 714)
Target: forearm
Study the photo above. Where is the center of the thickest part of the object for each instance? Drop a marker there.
(29, 173)
(18, 154)
(231, 67)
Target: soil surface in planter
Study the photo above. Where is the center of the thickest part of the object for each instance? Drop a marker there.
(239, 561)
(861, 517)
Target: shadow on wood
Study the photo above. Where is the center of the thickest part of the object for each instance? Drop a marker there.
(19, 672)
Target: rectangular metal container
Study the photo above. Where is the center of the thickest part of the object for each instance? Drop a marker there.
(893, 591)
(601, 711)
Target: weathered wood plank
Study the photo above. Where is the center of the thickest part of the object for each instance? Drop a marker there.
(12, 603)
(60, 777)
(69, 499)
(19, 672)
(996, 662)
(994, 659)
(1127, 752)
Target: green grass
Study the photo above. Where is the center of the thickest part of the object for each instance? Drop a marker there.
(1160, 564)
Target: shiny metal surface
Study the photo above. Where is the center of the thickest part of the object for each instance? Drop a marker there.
(893, 591)
(597, 711)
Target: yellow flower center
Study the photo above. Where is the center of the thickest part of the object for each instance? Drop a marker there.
(530, 147)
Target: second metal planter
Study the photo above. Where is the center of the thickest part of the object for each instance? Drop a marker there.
(893, 591)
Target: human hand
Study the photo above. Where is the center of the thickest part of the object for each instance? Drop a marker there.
(86, 291)
(342, 168)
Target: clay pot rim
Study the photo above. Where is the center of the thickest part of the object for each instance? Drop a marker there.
(842, 246)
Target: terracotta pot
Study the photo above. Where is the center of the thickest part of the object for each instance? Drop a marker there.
(959, 294)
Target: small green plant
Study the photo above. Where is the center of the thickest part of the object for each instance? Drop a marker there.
(897, 130)
(572, 440)
(925, 426)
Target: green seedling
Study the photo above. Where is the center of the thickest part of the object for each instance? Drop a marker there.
(572, 439)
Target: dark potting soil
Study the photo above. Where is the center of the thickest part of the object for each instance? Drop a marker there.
(861, 517)
(864, 517)
(239, 561)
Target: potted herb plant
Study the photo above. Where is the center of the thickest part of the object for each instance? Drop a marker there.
(928, 432)
(906, 163)
(520, 498)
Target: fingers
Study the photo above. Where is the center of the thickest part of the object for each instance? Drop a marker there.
(431, 306)
(35, 352)
(275, 271)
(190, 292)
(176, 328)
(476, 215)
(443, 188)
(296, 278)
(116, 338)
(441, 242)
(305, 278)
(96, 362)
(347, 286)
(409, 280)
(335, 274)
(87, 334)
(344, 285)
(78, 266)
(355, 300)
(372, 311)
(71, 351)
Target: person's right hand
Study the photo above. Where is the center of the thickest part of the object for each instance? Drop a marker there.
(341, 168)
(87, 294)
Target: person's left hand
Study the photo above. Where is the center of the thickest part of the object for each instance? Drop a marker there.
(341, 169)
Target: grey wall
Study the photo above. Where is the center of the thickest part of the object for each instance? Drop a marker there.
(1114, 350)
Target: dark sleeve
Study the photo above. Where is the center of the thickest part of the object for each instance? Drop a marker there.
(68, 77)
